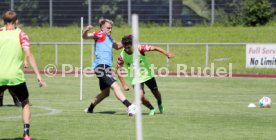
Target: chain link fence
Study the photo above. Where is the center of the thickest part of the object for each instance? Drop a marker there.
(165, 12)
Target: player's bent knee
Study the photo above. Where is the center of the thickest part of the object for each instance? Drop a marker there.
(115, 86)
(25, 102)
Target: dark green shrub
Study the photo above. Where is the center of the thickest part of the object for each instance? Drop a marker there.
(257, 12)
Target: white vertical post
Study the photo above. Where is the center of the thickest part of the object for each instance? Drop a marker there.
(81, 59)
(56, 54)
(89, 12)
(51, 13)
(206, 54)
(213, 13)
(136, 58)
(170, 13)
(12, 5)
(129, 12)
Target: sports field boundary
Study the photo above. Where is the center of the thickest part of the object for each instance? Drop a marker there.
(180, 74)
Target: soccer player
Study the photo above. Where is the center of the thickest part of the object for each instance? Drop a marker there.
(103, 63)
(146, 74)
(13, 42)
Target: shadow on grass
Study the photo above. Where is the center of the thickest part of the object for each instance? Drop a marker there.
(119, 113)
(9, 105)
(106, 112)
(14, 139)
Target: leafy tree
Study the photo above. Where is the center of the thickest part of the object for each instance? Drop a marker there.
(257, 12)
(245, 12)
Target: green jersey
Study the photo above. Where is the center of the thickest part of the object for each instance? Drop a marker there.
(11, 58)
(145, 70)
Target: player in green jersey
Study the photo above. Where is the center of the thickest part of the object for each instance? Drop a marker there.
(146, 74)
(13, 43)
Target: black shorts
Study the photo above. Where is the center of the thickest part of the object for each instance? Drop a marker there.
(151, 84)
(105, 75)
(20, 91)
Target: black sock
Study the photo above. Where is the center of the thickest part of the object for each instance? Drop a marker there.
(1, 100)
(150, 106)
(26, 129)
(91, 107)
(159, 102)
(126, 103)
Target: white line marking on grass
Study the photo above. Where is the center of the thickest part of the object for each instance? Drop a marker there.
(52, 111)
(222, 59)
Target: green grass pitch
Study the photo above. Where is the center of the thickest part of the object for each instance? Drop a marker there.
(195, 109)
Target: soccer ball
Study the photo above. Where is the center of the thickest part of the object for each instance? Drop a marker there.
(265, 102)
(131, 111)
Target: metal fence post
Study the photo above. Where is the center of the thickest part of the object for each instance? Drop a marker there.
(89, 12)
(129, 12)
(213, 12)
(12, 5)
(170, 13)
(206, 54)
(51, 13)
(56, 54)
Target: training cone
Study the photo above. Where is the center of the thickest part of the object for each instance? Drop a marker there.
(251, 105)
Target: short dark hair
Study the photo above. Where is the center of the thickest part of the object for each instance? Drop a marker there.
(9, 17)
(126, 40)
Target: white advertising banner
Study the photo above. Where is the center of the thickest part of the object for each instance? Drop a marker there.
(260, 55)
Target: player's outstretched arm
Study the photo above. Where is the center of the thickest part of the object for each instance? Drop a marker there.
(86, 34)
(117, 46)
(168, 54)
(31, 60)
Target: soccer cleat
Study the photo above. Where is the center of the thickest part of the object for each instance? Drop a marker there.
(86, 110)
(161, 108)
(27, 137)
(152, 112)
(131, 110)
